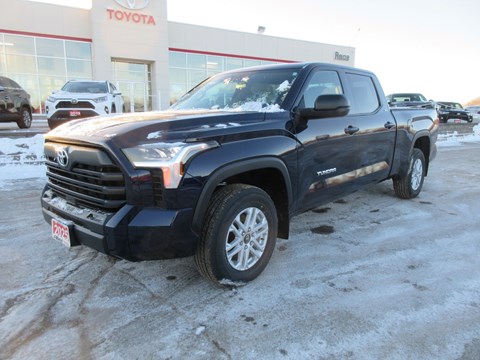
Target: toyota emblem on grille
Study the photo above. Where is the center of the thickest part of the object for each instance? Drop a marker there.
(74, 101)
(133, 4)
(62, 157)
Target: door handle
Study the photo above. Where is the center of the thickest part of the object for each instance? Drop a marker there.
(350, 130)
(389, 125)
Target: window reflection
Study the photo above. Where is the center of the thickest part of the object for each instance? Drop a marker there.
(41, 65)
(19, 45)
(50, 47)
(17, 64)
(79, 69)
(51, 66)
(186, 70)
(78, 50)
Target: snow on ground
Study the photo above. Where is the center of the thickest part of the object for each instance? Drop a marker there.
(454, 139)
(367, 277)
(21, 158)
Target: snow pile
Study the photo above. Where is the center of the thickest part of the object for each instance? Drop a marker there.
(21, 158)
(455, 139)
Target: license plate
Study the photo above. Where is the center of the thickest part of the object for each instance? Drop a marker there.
(75, 113)
(61, 232)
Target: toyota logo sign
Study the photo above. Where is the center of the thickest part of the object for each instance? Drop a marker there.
(133, 4)
(62, 157)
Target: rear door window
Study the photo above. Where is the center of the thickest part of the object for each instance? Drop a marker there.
(364, 97)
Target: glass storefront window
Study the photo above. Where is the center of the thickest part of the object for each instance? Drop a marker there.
(3, 65)
(195, 77)
(42, 64)
(19, 45)
(196, 61)
(51, 66)
(21, 64)
(135, 83)
(214, 63)
(233, 63)
(249, 62)
(79, 69)
(131, 76)
(178, 76)
(177, 59)
(78, 50)
(50, 47)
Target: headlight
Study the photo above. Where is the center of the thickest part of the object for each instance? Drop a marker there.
(170, 157)
(51, 99)
(101, 99)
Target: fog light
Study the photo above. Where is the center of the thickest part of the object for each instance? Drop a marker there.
(46, 109)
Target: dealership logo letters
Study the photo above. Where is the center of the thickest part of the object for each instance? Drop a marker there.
(133, 4)
(128, 16)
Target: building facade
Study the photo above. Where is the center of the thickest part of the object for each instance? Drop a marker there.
(132, 44)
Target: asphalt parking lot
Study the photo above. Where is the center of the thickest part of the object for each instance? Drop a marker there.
(390, 279)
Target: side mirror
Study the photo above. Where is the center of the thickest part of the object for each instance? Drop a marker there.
(326, 106)
(116, 92)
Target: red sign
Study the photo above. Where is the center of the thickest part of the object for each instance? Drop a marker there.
(122, 15)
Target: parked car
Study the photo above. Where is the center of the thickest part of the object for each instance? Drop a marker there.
(15, 103)
(82, 98)
(409, 100)
(452, 110)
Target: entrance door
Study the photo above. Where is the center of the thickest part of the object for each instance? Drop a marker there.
(134, 95)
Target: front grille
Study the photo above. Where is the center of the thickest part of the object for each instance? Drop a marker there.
(157, 184)
(90, 178)
(78, 105)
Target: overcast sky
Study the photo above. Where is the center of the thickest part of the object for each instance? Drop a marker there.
(427, 46)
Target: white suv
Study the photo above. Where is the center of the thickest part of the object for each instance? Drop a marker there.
(82, 98)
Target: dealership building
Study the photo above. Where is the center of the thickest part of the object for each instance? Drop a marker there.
(131, 43)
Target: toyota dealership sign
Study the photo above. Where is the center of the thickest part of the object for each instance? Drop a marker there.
(131, 16)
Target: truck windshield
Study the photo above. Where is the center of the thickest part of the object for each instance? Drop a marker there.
(255, 90)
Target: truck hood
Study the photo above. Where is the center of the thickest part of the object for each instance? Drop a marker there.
(74, 95)
(126, 130)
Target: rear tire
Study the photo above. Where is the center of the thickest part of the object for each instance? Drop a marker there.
(51, 124)
(238, 235)
(25, 120)
(409, 186)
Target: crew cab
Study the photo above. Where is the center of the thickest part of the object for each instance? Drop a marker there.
(222, 172)
(80, 99)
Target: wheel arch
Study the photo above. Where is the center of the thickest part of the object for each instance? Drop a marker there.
(270, 174)
(422, 142)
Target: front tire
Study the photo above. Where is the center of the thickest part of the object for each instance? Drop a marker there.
(238, 235)
(25, 120)
(409, 186)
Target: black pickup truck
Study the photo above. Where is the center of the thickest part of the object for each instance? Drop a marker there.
(221, 173)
